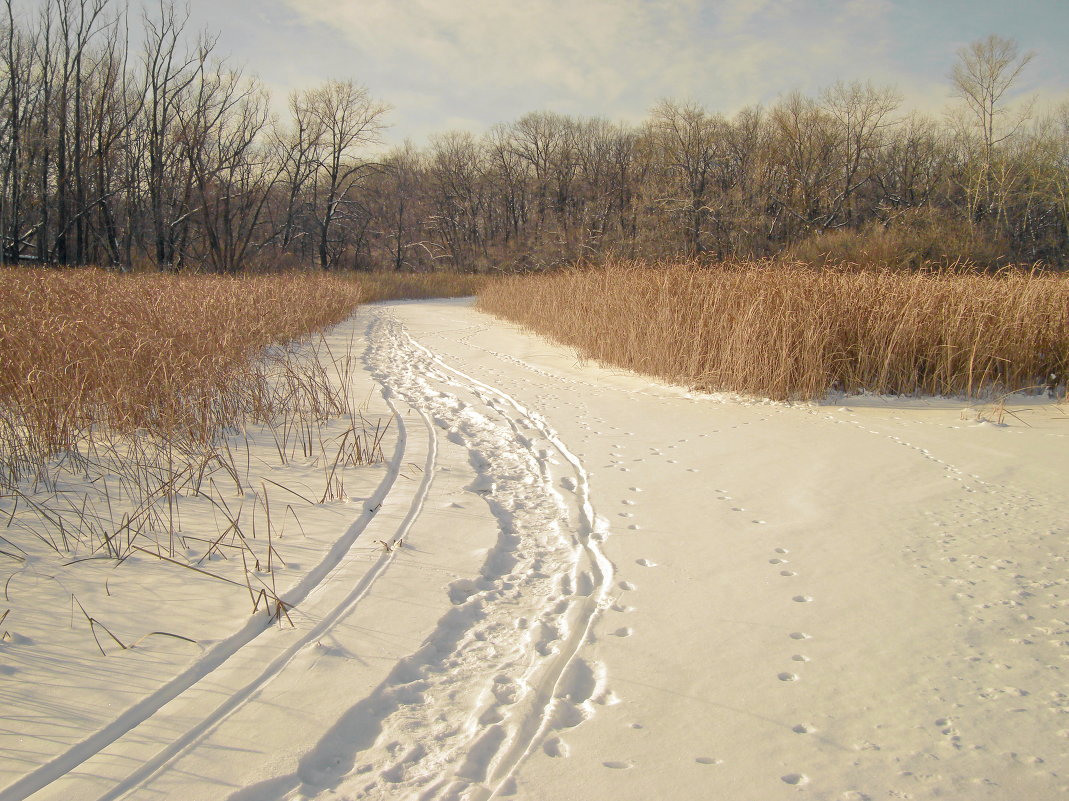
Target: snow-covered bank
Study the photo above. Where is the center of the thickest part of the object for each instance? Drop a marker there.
(583, 585)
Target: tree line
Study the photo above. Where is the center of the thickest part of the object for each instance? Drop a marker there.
(161, 156)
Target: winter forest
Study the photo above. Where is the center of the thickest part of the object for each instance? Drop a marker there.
(153, 152)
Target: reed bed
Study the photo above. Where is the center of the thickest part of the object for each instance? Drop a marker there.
(398, 286)
(147, 417)
(790, 331)
(167, 353)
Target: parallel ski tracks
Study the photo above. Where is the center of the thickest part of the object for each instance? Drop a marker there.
(136, 715)
(537, 714)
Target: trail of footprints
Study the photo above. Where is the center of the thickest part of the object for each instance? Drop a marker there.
(779, 561)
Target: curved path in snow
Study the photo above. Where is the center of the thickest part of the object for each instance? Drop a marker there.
(865, 599)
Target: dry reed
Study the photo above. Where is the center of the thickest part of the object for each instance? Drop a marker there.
(789, 331)
(397, 286)
(126, 399)
(81, 348)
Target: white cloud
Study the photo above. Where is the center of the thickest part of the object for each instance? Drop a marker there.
(593, 53)
(467, 61)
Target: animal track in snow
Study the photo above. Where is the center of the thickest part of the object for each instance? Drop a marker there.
(802, 599)
(556, 747)
(787, 676)
(645, 563)
(616, 765)
(623, 631)
(703, 760)
(800, 635)
(796, 779)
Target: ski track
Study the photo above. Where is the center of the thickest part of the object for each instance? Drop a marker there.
(455, 719)
(195, 734)
(219, 654)
(501, 670)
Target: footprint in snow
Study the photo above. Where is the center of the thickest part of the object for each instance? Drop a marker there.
(796, 779)
(623, 631)
(626, 585)
(702, 760)
(645, 563)
(802, 599)
(787, 676)
(799, 635)
(556, 747)
(618, 765)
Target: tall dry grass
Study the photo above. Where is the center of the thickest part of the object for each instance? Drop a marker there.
(128, 403)
(402, 286)
(789, 331)
(167, 353)
(83, 348)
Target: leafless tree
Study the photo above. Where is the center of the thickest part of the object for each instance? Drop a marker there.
(347, 120)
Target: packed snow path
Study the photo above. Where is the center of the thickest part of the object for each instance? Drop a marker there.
(500, 667)
(572, 582)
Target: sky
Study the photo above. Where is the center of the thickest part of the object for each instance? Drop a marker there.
(468, 64)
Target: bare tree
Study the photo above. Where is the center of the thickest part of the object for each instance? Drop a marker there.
(347, 120)
(168, 75)
(397, 205)
(863, 116)
(984, 73)
(689, 144)
(233, 174)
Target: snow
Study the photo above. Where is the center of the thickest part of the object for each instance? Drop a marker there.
(569, 581)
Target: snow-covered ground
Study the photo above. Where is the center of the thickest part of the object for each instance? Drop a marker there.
(568, 582)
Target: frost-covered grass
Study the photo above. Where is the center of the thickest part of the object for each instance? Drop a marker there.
(784, 330)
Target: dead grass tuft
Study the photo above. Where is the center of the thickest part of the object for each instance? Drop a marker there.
(791, 331)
